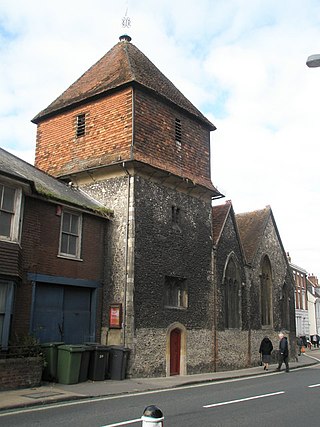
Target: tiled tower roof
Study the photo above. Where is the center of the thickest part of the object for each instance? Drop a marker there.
(123, 65)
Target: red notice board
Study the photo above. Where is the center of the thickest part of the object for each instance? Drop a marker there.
(115, 316)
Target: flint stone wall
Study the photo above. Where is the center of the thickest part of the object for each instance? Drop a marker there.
(151, 352)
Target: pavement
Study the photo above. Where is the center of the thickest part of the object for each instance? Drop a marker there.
(49, 393)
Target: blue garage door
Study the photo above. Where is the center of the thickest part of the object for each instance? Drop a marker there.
(62, 313)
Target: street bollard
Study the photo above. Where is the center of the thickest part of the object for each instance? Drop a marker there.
(152, 417)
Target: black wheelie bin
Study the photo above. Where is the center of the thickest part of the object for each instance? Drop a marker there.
(118, 361)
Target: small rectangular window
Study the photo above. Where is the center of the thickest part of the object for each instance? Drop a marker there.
(81, 125)
(178, 132)
(70, 234)
(7, 200)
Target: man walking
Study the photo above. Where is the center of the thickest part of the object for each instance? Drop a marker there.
(283, 352)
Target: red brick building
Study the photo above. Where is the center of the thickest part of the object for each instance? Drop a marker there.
(52, 247)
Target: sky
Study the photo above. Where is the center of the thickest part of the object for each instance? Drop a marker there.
(242, 63)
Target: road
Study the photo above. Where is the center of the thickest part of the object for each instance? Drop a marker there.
(279, 399)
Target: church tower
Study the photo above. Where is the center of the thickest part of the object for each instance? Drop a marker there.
(128, 137)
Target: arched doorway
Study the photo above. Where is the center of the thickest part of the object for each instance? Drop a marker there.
(175, 351)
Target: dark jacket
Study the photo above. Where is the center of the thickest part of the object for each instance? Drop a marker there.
(300, 342)
(266, 346)
(283, 347)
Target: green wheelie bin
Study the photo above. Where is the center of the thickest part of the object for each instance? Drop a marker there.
(50, 353)
(69, 362)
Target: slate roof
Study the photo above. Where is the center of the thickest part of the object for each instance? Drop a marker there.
(45, 185)
(251, 226)
(123, 65)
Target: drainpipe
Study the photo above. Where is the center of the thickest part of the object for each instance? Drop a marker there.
(249, 321)
(215, 317)
(126, 257)
(133, 98)
(127, 223)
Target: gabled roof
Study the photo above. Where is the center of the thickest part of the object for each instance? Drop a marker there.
(251, 227)
(219, 216)
(45, 185)
(123, 65)
(297, 268)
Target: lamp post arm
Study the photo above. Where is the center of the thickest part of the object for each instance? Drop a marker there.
(313, 61)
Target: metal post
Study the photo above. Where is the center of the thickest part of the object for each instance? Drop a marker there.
(152, 417)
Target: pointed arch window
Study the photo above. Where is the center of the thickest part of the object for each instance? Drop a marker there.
(266, 292)
(232, 295)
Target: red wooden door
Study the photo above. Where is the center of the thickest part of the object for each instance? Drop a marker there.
(175, 348)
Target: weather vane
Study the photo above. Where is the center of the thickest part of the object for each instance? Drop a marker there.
(126, 21)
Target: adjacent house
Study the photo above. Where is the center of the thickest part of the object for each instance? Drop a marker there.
(52, 247)
(313, 296)
(301, 300)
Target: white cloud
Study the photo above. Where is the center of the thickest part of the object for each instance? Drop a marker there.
(241, 63)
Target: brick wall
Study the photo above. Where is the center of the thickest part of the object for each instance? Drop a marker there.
(40, 245)
(20, 373)
(109, 133)
(155, 139)
(107, 139)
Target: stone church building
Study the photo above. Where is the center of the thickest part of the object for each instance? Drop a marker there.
(254, 294)
(196, 287)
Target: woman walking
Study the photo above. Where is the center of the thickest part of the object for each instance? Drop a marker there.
(265, 350)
